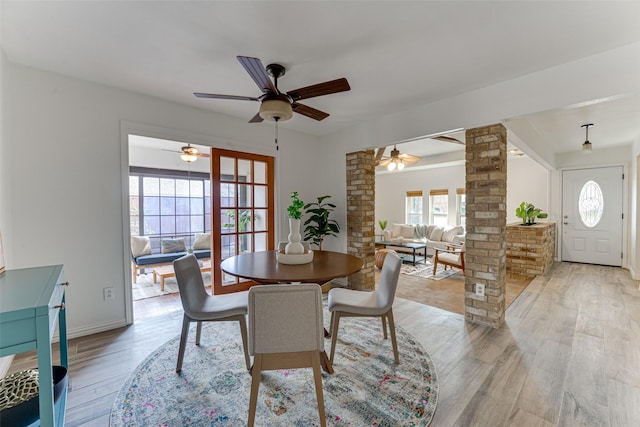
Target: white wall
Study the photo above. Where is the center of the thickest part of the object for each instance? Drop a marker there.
(527, 181)
(66, 200)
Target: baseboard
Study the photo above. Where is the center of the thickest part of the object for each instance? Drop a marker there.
(95, 329)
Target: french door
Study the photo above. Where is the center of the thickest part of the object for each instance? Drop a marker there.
(242, 211)
(592, 216)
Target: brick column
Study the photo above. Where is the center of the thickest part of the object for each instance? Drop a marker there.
(485, 258)
(361, 187)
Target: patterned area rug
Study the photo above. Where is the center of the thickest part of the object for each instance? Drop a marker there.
(367, 388)
(146, 288)
(426, 271)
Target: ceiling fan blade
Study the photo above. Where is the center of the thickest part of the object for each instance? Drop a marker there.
(333, 86)
(258, 73)
(408, 158)
(202, 154)
(256, 119)
(305, 110)
(379, 153)
(448, 139)
(217, 96)
(171, 151)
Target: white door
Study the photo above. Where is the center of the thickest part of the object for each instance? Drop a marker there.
(592, 216)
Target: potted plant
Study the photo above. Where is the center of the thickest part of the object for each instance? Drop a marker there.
(318, 225)
(295, 214)
(528, 213)
(383, 224)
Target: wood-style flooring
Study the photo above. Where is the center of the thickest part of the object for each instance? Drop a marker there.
(568, 355)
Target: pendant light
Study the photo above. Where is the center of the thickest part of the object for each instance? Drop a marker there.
(586, 145)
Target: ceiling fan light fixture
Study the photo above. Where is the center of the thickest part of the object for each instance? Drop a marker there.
(188, 157)
(586, 145)
(391, 166)
(400, 165)
(276, 109)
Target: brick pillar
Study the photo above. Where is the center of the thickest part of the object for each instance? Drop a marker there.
(485, 258)
(361, 187)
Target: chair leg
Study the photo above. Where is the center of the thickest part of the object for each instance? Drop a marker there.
(334, 333)
(317, 377)
(435, 264)
(384, 326)
(394, 343)
(243, 332)
(255, 385)
(134, 268)
(183, 342)
(333, 315)
(198, 332)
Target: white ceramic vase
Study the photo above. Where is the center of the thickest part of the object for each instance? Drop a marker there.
(294, 246)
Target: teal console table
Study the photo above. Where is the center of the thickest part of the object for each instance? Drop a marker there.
(31, 299)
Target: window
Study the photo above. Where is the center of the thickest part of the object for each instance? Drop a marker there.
(439, 207)
(414, 207)
(590, 204)
(461, 207)
(167, 204)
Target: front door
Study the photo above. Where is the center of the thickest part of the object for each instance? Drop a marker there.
(242, 211)
(592, 216)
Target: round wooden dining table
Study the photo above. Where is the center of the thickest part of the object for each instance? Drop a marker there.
(263, 268)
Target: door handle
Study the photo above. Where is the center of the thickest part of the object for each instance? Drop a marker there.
(565, 223)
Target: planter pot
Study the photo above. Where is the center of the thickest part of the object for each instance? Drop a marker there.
(294, 246)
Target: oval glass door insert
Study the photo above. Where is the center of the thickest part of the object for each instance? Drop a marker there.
(590, 204)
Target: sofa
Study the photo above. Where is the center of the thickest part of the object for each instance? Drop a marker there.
(171, 249)
(432, 235)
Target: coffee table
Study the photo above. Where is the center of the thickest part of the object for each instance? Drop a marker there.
(165, 271)
(405, 257)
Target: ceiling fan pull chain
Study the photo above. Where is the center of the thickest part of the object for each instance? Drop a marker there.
(277, 148)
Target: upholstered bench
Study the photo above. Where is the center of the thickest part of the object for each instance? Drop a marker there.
(172, 249)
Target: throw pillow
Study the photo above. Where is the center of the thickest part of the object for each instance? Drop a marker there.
(140, 245)
(173, 245)
(395, 229)
(450, 232)
(406, 231)
(202, 241)
(436, 234)
(430, 229)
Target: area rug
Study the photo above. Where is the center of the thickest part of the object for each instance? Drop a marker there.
(367, 388)
(146, 288)
(426, 271)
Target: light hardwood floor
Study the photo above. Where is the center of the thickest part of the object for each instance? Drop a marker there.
(568, 355)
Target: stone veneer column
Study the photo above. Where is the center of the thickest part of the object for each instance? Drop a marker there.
(361, 187)
(486, 216)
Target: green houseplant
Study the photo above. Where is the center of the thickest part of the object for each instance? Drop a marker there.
(318, 225)
(383, 224)
(528, 213)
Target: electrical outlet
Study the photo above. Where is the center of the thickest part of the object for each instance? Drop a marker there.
(480, 289)
(109, 294)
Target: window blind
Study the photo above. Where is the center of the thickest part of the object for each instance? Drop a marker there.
(439, 192)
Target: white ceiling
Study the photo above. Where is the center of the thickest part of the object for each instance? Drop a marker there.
(396, 55)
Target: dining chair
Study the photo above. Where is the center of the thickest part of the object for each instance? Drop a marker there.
(453, 256)
(200, 307)
(352, 303)
(285, 332)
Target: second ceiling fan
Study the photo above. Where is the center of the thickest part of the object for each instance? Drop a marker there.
(274, 104)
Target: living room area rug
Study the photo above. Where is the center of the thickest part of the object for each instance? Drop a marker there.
(367, 388)
(147, 288)
(425, 270)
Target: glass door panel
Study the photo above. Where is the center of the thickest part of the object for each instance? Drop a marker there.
(242, 206)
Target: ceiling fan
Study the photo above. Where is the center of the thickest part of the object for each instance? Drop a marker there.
(274, 104)
(397, 160)
(189, 154)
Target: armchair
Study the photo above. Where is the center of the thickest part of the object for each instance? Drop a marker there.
(453, 256)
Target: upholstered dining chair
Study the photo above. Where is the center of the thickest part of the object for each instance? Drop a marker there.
(351, 303)
(200, 307)
(453, 256)
(285, 331)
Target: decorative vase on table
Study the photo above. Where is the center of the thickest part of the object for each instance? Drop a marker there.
(294, 246)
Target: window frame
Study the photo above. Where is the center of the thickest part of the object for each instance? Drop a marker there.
(432, 215)
(410, 215)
